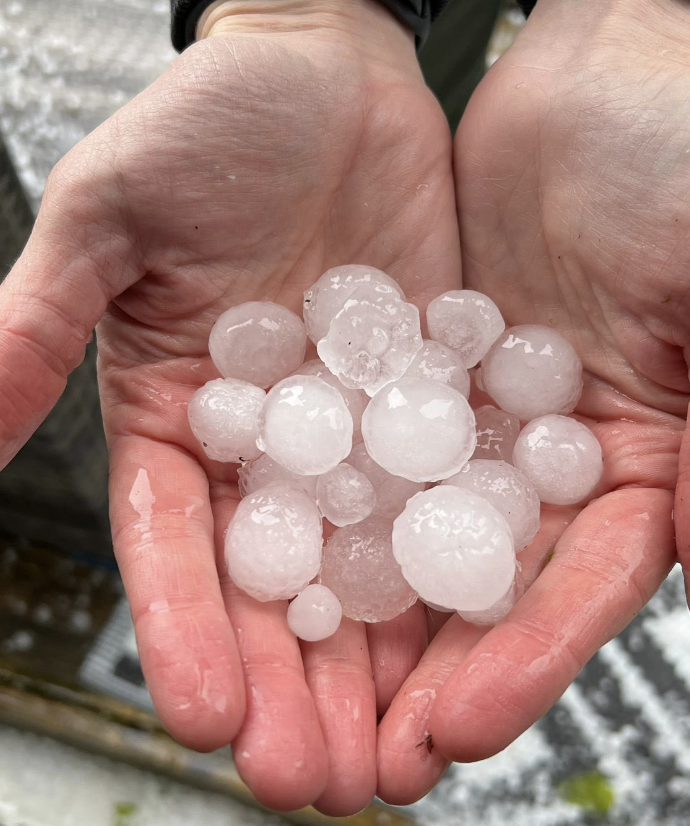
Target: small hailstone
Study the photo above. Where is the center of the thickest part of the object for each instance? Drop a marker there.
(499, 610)
(455, 549)
(264, 471)
(392, 492)
(419, 429)
(305, 425)
(497, 432)
(532, 371)
(344, 495)
(259, 342)
(325, 299)
(314, 614)
(273, 544)
(373, 339)
(224, 417)
(508, 490)
(356, 400)
(561, 457)
(440, 363)
(466, 321)
(359, 567)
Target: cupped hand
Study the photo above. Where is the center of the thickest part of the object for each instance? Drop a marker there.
(298, 136)
(572, 166)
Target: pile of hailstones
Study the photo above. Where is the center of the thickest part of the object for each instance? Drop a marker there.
(375, 446)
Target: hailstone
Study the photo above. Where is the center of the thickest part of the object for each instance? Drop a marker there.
(344, 495)
(440, 363)
(392, 492)
(263, 471)
(314, 614)
(466, 321)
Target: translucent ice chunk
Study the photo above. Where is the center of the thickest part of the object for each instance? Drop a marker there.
(305, 425)
(224, 417)
(455, 549)
(466, 321)
(327, 297)
(392, 492)
(532, 371)
(358, 566)
(440, 363)
(259, 342)
(264, 471)
(273, 544)
(314, 614)
(344, 495)
(561, 457)
(419, 429)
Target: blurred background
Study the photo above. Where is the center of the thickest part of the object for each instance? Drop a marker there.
(79, 743)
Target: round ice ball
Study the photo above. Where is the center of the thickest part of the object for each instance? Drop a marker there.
(344, 495)
(508, 490)
(497, 432)
(561, 457)
(314, 614)
(327, 297)
(356, 400)
(440, 363)
(466, 321)
(359, 567)
(224, 417)
(259, 342)
(264, 471)
(305, 425)
(419, 429)
(392, 492)
(455, 549)
(532, 371)
(273, 544)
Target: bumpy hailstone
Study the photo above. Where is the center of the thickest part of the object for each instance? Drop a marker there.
(561, 457)
(264, 471)
(273, 544)
(497, 432)
(305, 425)
(314, 614)
(419, 429)
(392, 492)
(344, 495)
(508, 490)
(359, 567)
(466, 321)
(259, 342)
(501, 609)
(373, 339)
(455, 549)
(325, 299)
(532, 371)
(356, 400)
(224, 417)
(440, 363)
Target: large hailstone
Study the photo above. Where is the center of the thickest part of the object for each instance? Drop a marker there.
(466, 321)
(373, 339)
(440, 363)
(561, 457)
(356, 400)
(305, 425)
(359, 567)
(392, 492)
(508, 490)
(497, 432)
(532, 371)
(314, 614)
(325, 299)
(224, 417)
(344, 495)
(259, 342)
(273, 544)
(419, 429)
(264, 471)
(455, 549)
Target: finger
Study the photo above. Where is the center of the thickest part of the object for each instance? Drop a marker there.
(338, 673)
(280, 751)
(164, 543)
(395, 648)
(606, 566)
(682, 509)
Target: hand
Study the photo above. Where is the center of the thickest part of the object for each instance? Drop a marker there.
(572, 171)
(298, 136)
